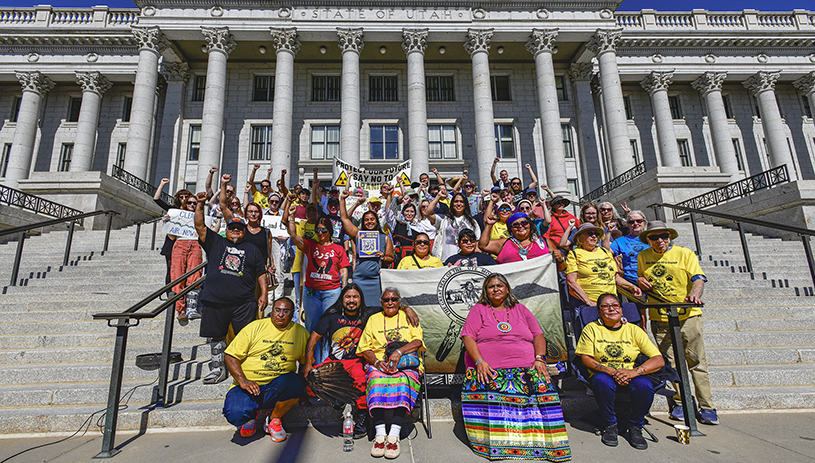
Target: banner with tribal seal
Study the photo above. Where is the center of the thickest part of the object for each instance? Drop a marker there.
(442, 297)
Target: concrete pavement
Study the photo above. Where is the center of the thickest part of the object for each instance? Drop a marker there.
(753, 437)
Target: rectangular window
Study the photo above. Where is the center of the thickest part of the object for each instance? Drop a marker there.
(572, 185)
(627, 104)
(15, 110)
(382, 88)
(500, 88)
(195, 142)
(73, 109)
(384, 142)
(325, 88)
(635, 152)
(65, 157)
(568, 149)
(504, 142)
(676, 108)
(684, 152)
(199, 87)
(325, 141)
(126, 109)
(120, 155)
(263, 88)
(807, 108)
(560, 85)
(261, 148)
(737, 150)
(4, 159)
(728, 110)
(756, 107)
(440, 88)
(442, 141)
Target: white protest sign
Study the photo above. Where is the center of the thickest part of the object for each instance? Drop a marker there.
(182, 224)
(275, 225)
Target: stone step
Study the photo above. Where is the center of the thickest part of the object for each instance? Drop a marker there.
(755, 301)
(764, 398)
(92, 304)
(749, 292)
(761, 376)
(720, 356)
(136, 338)
(758, 311)
(757, 339)
(765, 325)
(104, 355)
(97, 372)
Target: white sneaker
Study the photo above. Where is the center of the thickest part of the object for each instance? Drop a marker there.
(216, 376)
(192, 314)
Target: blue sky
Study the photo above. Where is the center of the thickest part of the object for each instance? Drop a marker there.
(628, 5)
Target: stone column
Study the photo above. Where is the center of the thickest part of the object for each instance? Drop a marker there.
(478, 46)
(151, 43)
(604, 44)
(169, 143)
(709, 85)
(93, 86)
(540, 44)
(286, 43)
(656, 84)
(597, 92)
(762, 85)
(35, 86)
(350, 41)
(580, 76)
(220, 44)
(414, 45)
(806, 85)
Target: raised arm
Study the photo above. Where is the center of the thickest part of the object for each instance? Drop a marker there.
(534, 182)
(291, 226)
(347, 224)
(222, 199)
(429, 213)
(492, 171)
(315, 185)
(160, 187)
(252, 188)
(208, 184)
(198, 217)
(484, 242)
(247, 196)
(462, 179)
(283, 190)
(438, 177)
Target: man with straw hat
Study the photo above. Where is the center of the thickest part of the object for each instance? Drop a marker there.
(673, 273)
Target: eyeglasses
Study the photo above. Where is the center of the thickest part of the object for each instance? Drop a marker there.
(592, 233)
(520, 224)
(421, 243)
(274, 201)
(610, 306)
(390, 299)
(605, 209)
(321, 230)
(661, 236)
(467, 241)
(280, 311)
(235, 204)
(636, 221)
(253, 211)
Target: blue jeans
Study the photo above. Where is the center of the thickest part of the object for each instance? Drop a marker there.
(240, 407)
(315, 303)
(641, 390)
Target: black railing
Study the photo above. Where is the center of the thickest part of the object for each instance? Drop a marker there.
(739, 189)
(615, 182)
(137, 183)
(123, 321)
(39, 205)
(22, 230)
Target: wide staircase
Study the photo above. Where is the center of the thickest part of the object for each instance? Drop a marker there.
(55, 361)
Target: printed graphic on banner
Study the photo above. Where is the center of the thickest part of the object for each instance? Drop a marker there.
(444, 296)
(368, 243)
(370, 180)
(182, 224)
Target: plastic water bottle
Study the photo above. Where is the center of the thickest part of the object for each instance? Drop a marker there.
(348, 430)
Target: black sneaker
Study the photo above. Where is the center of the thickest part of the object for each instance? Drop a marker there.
(360, 429)
(610, 436)
(635, 438)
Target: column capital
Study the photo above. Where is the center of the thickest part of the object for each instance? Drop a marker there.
(657, 80)
(35, 82)
(580, 72)
(806, 84)
(93, 82)
(285, 39)
(596, 85)
(541, 40)
(150, 38)
(761, 82)
(414, 40)
(709, 82)
(219, 39)
(478, 40)
(604, 40)
(350, 39)
(161, 86)
(175, 72)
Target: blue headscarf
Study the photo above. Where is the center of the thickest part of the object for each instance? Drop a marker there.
(516, 216)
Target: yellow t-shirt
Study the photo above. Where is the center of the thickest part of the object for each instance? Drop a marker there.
(499, 230)
(266, 352)
(306, 230)
(380, 330)
(615, 348)
(595, 271)
(261, 199)
(670, 273)
(407, 263)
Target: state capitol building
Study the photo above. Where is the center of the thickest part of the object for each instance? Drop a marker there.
(688, 101)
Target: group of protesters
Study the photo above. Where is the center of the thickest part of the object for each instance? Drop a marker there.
(336, 242)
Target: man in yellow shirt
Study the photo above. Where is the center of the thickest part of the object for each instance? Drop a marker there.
(260, 197)
(263, 358)
(674, 274)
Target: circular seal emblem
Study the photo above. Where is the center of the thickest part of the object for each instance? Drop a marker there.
(459, 289)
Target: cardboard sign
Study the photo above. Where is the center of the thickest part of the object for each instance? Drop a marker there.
(182, 224)
(275, 225)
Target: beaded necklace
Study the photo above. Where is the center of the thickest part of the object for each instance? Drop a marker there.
(503, 327)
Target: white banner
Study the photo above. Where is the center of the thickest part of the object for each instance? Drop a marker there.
(370, 180)
(182, 224)
(443, 297)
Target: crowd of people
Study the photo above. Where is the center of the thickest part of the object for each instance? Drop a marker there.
(339, 320)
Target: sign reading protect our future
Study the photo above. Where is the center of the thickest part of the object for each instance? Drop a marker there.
(368, 179)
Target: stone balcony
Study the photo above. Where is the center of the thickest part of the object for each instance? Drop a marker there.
(703, 20)
(47, 17)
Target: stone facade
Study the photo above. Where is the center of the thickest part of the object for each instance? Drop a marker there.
(730, 91)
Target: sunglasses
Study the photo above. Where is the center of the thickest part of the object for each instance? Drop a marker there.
(468, 186)
(610, 306)
(636, 221)
(321, 230)
(520, 224)
(661, 236)
(192, 203)
(182, 196)
(274, 201)
(467, 241)
(265, 186)
(515, 183)
(605, 209)
(421, 243)
(592, 233)
(390, 299)
(504, 209)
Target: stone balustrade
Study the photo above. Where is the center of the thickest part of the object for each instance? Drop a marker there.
(59, 18)
(703, 20)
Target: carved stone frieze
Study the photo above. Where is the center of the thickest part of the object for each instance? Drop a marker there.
(150, 38)
(478, 40)
(285, 39)
(93, 82)
(761, 82)
(541, 40)
(580, 72)
(176, 72)
(350, 39)
(604, 40)
(415, 40)
(709, 82)
(219, 39)
(656, 81)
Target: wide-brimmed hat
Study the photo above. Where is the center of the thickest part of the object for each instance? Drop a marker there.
(587, 227)
(560, 199)
(411, 192)
(375, 199)
(453, 181)
(655, 227)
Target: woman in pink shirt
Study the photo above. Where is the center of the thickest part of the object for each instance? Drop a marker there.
(510, 407)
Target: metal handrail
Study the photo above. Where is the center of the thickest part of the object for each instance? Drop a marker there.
(139, 184)
(615, 182)
(14, 197)
(738, 189)
(154, 221)
(21, 230)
